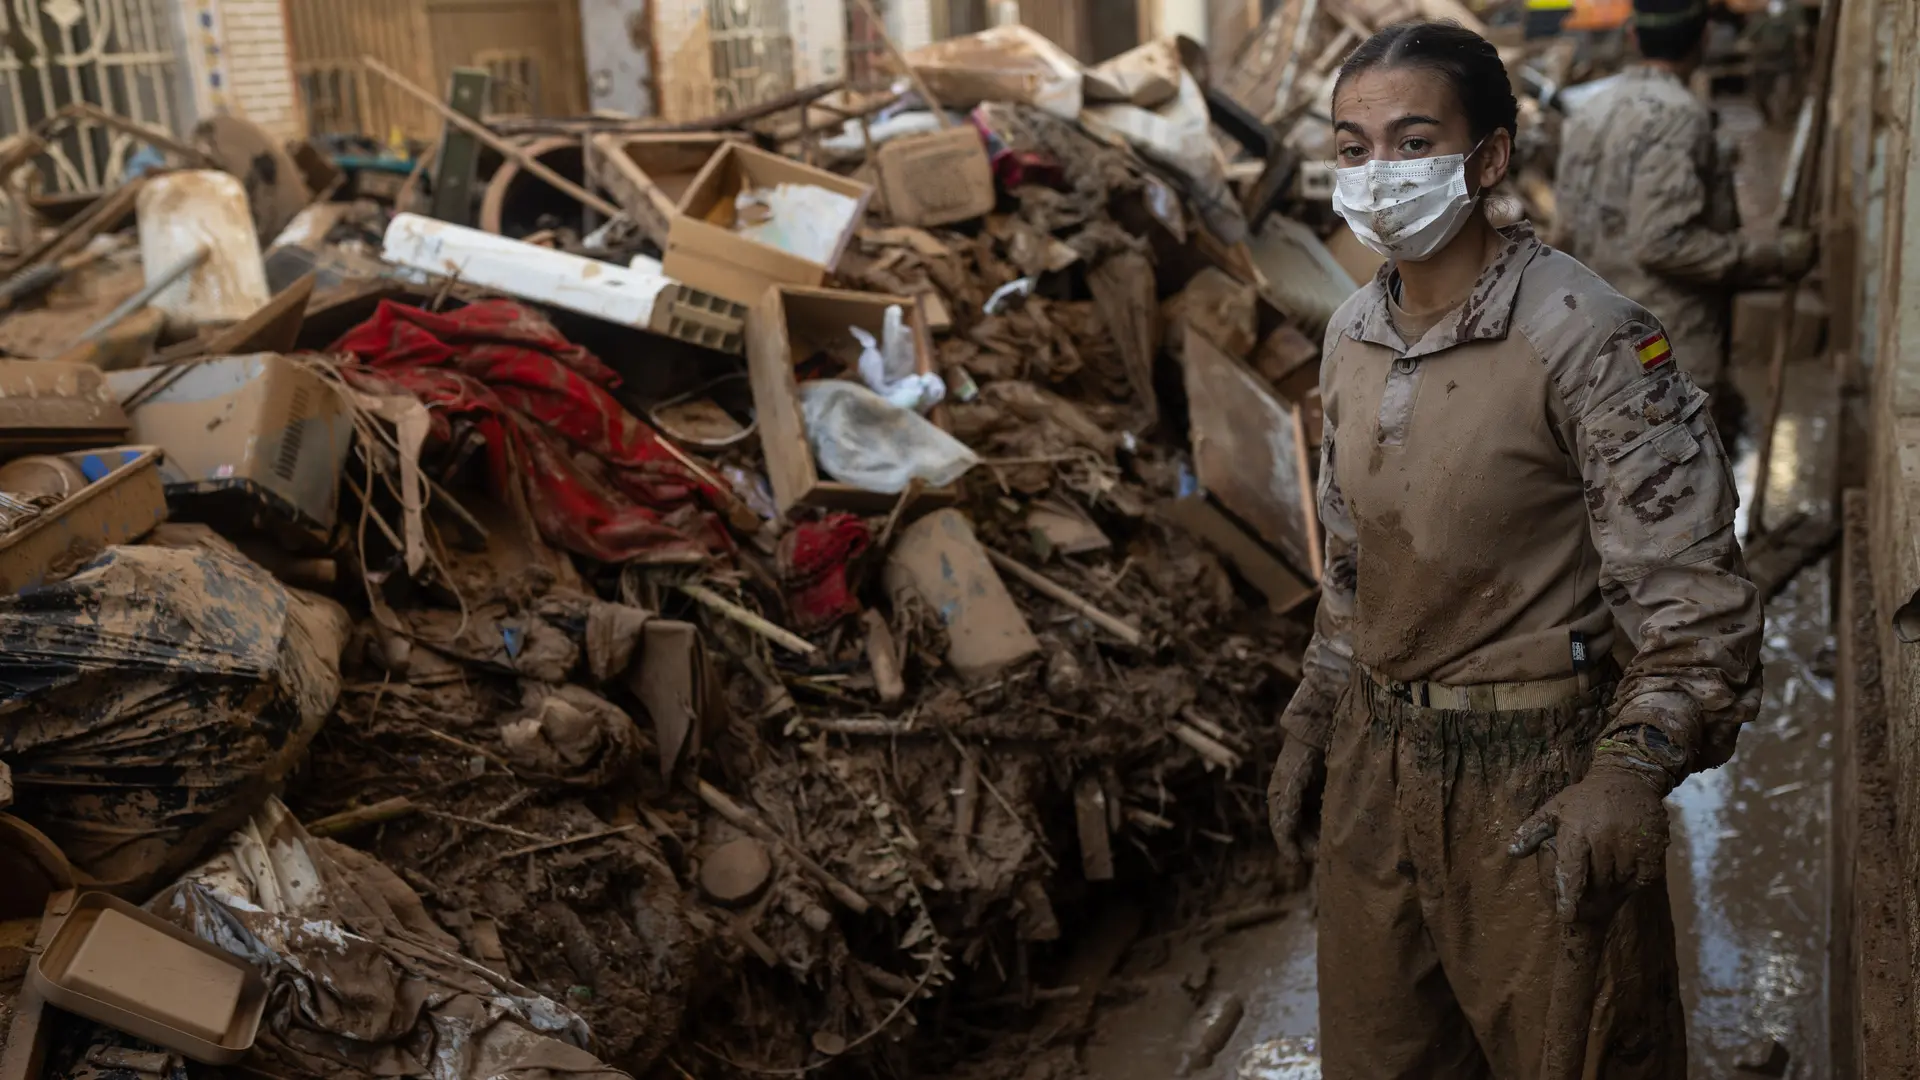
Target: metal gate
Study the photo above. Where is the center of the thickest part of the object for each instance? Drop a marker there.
(752, 51)
(117, 54)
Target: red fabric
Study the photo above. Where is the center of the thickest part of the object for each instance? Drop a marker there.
(812, 561)
(1012, 168)
(598, 480)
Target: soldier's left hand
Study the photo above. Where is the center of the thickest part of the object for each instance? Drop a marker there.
(1799, 250)
(1609, 837)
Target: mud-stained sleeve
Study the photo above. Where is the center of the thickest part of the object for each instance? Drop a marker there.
(1328, 663)
(1667, 212)
(1661, 499)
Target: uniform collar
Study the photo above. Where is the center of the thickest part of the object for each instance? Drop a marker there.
(1486, 314)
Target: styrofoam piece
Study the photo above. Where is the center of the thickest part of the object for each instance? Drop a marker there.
(603, 290)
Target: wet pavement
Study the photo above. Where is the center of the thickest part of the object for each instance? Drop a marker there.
(1749, 862)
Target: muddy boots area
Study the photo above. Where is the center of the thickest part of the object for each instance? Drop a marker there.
(805, 591)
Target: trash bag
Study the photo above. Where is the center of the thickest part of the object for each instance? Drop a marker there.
(360, 979)
(154, 699)
(859, 438)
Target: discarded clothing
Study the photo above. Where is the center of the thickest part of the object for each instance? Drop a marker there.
(541, 402)
(152, 701)
(546, 641)
(570, 735)
(813, 560)
(361, 980)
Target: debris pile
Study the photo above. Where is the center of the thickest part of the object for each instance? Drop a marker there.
(742, 623)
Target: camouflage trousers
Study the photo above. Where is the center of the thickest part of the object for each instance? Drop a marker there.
(1437, 949)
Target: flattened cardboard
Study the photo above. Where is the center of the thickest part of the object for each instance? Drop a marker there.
(936, 179)
(940, 559)
(704, 252)
(1249, 451)
(47, 406)
(119, 507)
(788, 327)
(1123, 291)
(649, 174)
(115, 964)
(670, 681)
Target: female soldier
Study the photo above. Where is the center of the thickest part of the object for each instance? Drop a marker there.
(1534, 619)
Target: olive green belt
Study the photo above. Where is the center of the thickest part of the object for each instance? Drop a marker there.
(1492, 697)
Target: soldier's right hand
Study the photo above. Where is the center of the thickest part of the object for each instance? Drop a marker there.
(1799, 250)
(1293, 776)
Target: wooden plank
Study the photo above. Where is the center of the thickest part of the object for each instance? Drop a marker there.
(1284, 589)
(505, 148)
(103, 216)
(776, 402)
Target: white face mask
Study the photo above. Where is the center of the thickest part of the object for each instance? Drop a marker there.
(1405, 210)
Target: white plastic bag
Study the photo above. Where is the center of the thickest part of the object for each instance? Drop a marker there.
(860, 438)
(887, 366)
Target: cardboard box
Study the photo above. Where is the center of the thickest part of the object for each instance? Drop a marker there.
(936, 179)
(124, 501)
(705, 252)
(47, 406)
(789, 326)
(256, 425)
(648, 175)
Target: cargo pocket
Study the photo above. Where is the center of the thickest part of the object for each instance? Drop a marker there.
(1657, 477)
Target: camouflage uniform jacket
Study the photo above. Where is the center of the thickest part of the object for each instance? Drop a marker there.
(1645, 198)
(1534, 470)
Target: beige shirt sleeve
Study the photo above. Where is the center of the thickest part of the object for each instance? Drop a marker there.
(1327, 666)
(1667, 224)
(1661, 500)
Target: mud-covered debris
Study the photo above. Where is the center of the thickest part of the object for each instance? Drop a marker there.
(939, 559)
(736, 871)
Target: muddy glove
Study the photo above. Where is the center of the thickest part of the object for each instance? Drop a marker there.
(1798, 252)
(1609, 837)
(1293, 776)
(1789, 256)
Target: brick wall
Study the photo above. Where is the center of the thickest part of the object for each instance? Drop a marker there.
(259, 70)
(238, 60)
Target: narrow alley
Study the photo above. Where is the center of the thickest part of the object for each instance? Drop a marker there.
(959, 539)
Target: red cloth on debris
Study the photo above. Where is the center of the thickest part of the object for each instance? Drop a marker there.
(812, 562)
(598, 481)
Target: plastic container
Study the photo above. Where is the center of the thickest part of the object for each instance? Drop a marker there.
(127, 968)
(184, 210)
(123, 500)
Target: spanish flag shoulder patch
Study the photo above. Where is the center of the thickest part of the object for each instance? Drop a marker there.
(1653, 351)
